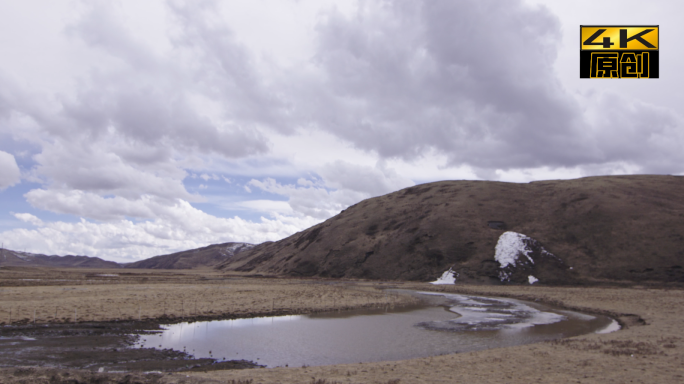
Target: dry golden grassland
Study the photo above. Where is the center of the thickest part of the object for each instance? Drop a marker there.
(649, 349)
(50, 296)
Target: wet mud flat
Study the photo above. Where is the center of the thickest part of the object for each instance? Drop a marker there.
(96, 347)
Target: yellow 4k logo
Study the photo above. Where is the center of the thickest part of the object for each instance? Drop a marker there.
(619, 51)
(614, 38)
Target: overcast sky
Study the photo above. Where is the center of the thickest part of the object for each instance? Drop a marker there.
(135, 128)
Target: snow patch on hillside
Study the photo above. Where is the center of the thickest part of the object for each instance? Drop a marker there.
(517, 252)
(23, 255)
(448, 277)
(234, 248)
(509, 247)
(239, 246)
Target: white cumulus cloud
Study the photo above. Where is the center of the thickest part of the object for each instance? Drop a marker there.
(182, 227)
(29, 218)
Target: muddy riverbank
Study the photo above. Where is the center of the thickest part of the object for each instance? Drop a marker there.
(85, 319)
(97, 347)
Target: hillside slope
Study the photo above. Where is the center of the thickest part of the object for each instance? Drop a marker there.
(207, 256)
(616, 228)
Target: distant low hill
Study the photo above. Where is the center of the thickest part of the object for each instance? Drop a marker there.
(589, 230)
(26, 259)
(200, 257)
(194, 258)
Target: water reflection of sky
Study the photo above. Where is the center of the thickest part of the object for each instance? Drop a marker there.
(469, 323)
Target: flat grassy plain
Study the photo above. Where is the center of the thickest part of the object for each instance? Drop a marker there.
(72, 295)
(649, 348)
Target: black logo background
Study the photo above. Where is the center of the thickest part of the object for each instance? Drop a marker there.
(585, 62)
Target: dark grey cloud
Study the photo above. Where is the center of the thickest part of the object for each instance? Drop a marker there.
(149, 100)
(473, 80)
(227, 70)
(131, 120)
(158, 116)
(5, 107)
(645, 136)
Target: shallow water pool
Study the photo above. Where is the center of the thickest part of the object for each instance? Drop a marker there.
(448, 323)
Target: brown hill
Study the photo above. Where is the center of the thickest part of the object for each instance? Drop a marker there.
(613, 228)
(200, 257)
(26, 259)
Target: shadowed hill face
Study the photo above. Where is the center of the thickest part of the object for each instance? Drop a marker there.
(606, 228)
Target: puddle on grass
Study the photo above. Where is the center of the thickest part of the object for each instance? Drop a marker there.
(449, 323)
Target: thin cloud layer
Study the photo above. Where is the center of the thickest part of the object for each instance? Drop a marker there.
(470, 79)
(473, 80)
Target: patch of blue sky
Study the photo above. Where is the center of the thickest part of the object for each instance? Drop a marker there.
(251, 168)
(22, 151)
(229, 196)
(12, 201)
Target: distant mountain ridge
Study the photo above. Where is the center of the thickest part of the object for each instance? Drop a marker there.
(27, 259)
(201, 257)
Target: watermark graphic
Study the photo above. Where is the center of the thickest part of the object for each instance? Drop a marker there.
(619, 52)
